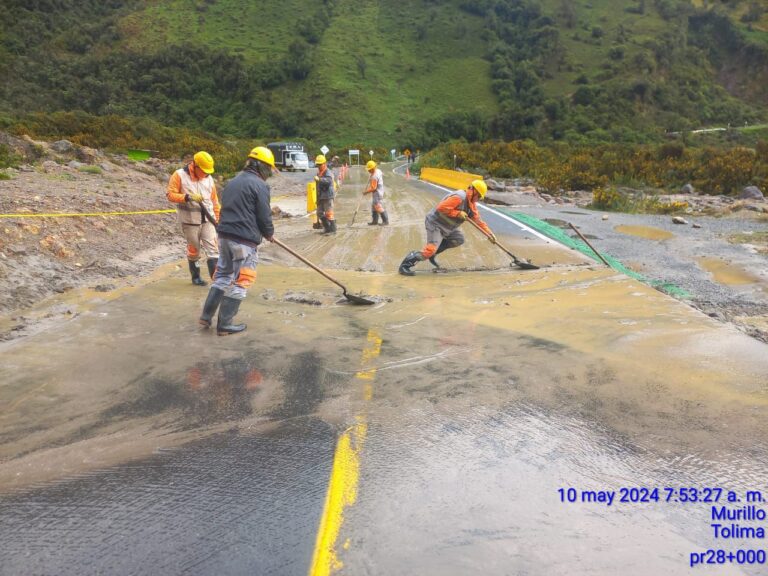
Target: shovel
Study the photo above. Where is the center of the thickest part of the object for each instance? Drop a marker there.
(356, 211)
(351, 297)
(515, 260)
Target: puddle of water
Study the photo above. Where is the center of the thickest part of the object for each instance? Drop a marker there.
(647, 232)
(727, 273)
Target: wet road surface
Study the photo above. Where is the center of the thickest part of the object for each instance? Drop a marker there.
(428, 434)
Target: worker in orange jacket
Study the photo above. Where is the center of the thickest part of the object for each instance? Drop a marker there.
(192, 189)
(443, 222)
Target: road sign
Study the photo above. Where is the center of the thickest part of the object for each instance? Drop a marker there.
(325, 149)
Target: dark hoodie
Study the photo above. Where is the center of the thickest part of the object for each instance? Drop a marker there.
(246, 215)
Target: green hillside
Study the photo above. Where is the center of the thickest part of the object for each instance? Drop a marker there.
(382, 73)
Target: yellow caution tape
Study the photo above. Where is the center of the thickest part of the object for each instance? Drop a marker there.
(83, 214)
(172, 211)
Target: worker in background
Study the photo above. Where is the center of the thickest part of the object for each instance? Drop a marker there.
(246, 218)
(443, 222)
(376, 190)
(191, 188)
(326, 192)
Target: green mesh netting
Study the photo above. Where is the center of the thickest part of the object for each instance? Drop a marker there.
(560, 236)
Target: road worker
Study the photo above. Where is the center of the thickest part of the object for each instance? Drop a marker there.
(443, 222)
(246, 218)
(376, 190)
(326, 187)
(193, 191)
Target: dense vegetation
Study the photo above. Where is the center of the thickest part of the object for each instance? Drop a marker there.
(354, 72)
(577, 167)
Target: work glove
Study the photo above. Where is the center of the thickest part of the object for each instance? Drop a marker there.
(492, 237)
(463, 215)
(196, 197)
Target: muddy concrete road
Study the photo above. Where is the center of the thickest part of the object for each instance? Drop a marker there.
(471, 422)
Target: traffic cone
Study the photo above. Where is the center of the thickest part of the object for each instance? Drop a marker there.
(407, 173)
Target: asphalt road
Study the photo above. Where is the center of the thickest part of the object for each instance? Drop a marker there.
(440, 431)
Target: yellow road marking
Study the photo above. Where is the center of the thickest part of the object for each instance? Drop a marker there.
(345, 473)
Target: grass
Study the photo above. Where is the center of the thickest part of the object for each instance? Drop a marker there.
(759, 239)
(426, 65)
(90, 169)
(587, 55)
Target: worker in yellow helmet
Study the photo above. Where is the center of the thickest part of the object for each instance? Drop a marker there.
(443, 222)
(325, 185)
(376, 190)
(246, 219)
(193, 191)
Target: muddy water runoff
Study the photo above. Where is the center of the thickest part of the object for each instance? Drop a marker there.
(131, 441)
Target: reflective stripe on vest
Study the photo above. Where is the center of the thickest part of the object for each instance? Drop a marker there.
(203, 187)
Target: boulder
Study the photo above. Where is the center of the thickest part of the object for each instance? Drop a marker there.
(751, 193)
(88, 155)
(688, 189)
(62, 146)
(494, 185)
(679, 220)
(75, 165)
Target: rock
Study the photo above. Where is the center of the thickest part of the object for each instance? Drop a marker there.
(50, 166)
(605, 216)
(88, 155)
(696, 225)
(26, 168)
(75, 165)
(688, 189)
(106, 166)
(751, 193)
(62, 146)
(679, 220)
(494, 185)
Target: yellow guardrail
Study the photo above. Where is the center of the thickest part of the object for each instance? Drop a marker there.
(448, 178)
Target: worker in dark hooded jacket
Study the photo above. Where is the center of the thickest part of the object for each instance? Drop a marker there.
(246, 218)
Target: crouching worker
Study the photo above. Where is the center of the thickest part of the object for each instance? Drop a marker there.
(443, 223)
(246, 218)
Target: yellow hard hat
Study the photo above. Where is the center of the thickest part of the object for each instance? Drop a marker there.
(480, 186)
(263, 154)
(204, 161)
(370, 165)
(320, 159)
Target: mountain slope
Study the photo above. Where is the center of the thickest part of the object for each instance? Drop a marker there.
(383, 73)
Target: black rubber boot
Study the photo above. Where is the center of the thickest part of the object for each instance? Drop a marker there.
(408, 262)
(211, 305)
(227, 313)
(384, 218)
(212, 266)
(194, 269)
(332, 226)
(442, 248)
(317, 226)
(374, 218)
(326, 226)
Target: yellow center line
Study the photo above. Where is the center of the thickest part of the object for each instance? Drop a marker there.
(345, 473)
